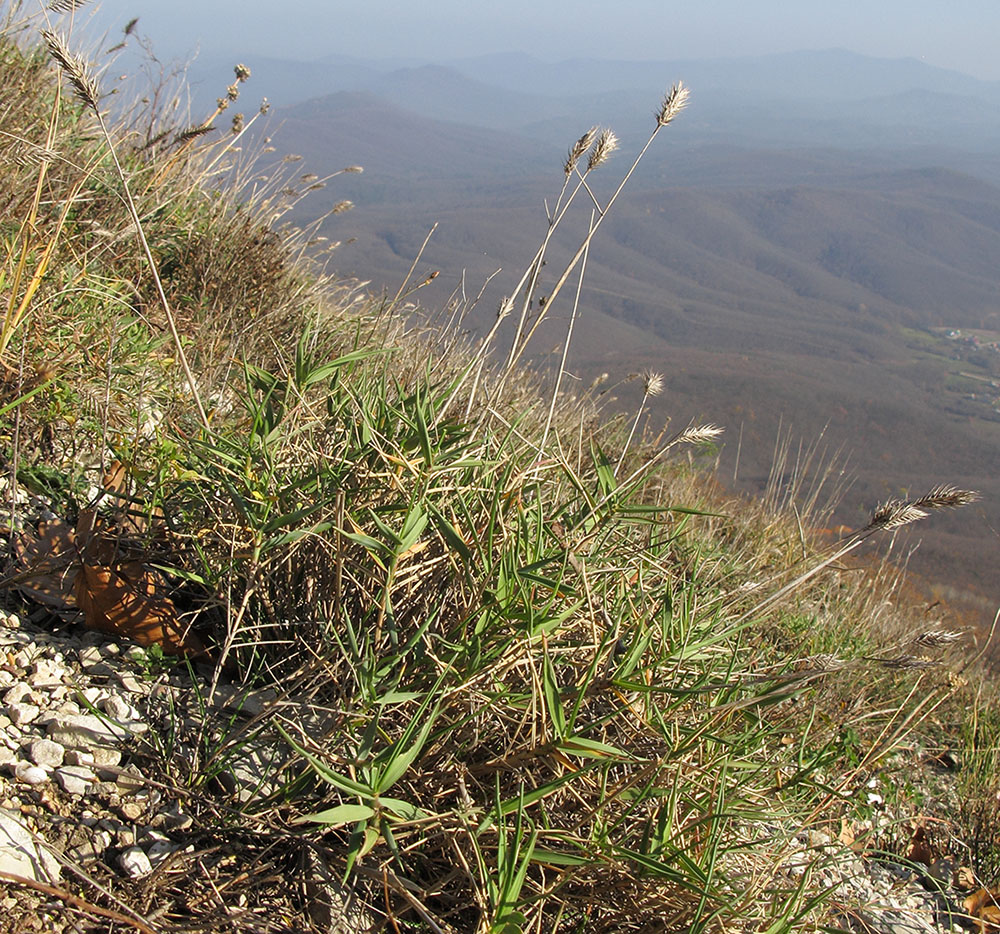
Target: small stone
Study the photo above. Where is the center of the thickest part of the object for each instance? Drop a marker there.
(79, 757)
(7, 757)
(46, 753)
(75, 779)
(10, 620)
(29, 773)
(114, 706)
(17, 693)
(68, 708)
(131, 685)
(18, 853)
(106, 761)
(110, 650)
(20, 714)
(125, 837)
(93, 847)
(135, 863)
(127, 781)
(159, 850)
(131, 810)
(84, 731)
(45, 673)
(176, 819)
(89, 656)
(89, 696)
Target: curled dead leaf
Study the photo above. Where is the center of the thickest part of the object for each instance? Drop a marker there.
(122, 600)
(47, 565)
(984, 905)
(85, 569)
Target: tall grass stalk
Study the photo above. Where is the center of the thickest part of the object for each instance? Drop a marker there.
(88, 92)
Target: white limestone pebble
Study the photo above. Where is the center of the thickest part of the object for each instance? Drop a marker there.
(131, 684)
(21, 714)
(19, 854)
(29, 773)
(17, 693)
(75, 779)
(46, 753)
(46, 673)
(118, 708)
(81, 731)
(135, 863)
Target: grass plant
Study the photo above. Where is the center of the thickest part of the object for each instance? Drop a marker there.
(529, 672)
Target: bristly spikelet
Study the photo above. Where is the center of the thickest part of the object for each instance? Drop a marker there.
(577, 150)
(67, 6)
(674, 101)
(904, 662)
(242, 72)
(191, 133)
(900, 512)
(936, 638)
(26, 154)
(652, 383)
(699, 434)
(894, 514)
(606, 144)
(76, 69)
(946, 496)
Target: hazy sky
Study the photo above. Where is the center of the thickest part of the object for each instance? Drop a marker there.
(960, 34)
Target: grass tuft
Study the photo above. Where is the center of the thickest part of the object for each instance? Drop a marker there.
(490, 664)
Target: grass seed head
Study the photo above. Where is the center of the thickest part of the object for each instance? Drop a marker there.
(936, 638)
(25, 154)
(946, 496)
(67, 6)
(577, 150)
(652, 383)
(904, 662)
(674, 101)
(606, 144)
(699, 434)
(76, 69)
(894, 514)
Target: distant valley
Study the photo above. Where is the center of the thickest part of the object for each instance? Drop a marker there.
(814, 247)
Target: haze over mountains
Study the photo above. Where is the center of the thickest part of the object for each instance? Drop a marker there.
(814, 243)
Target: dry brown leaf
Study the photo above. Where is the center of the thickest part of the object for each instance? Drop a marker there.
(47, 564)
(920, 849)
(83, 569)
(122, 600)
(965, 878)
(984, 906)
